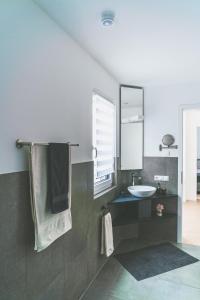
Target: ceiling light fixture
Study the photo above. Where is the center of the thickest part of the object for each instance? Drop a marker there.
(107, 18)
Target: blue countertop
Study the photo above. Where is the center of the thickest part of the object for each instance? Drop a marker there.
(127, 198)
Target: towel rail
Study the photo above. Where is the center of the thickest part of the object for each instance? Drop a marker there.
(20, 144)
(105, 210)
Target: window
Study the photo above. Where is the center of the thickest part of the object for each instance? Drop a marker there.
(104, 143)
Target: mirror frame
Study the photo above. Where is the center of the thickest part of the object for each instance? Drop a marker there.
(120, 120)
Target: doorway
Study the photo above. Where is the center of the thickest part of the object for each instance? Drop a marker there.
(189, 185)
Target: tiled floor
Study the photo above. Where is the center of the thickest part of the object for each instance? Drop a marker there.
(191, 222)
(115, 283)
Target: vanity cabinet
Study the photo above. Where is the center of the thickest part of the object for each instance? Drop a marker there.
(137, 218)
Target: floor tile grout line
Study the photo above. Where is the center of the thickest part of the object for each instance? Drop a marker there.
(93, 280)
(179, 283)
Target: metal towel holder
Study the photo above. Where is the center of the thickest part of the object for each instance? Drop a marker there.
(20, 144)
(105, 210)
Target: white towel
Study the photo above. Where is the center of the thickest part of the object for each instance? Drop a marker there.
(48, 226)
(136, 118)
(125, 120)
(107, 246)
(132, 119)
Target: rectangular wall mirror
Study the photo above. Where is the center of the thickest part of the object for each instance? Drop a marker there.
(132, 127)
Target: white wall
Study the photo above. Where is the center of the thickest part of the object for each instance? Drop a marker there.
(162, 105)
(191, 122)
(46, 84)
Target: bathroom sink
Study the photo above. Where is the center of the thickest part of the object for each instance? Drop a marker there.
(142, 190)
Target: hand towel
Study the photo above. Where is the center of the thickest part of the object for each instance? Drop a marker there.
(136, 118)
(58, 176)
(107, 246)
(125, 120)
(132, 119)
(48, 226)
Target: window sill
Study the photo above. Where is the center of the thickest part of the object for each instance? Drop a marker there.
(96, 196)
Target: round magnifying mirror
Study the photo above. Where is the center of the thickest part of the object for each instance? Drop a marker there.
(168, 140)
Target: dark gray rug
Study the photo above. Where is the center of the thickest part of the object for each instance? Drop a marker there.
(154, 260)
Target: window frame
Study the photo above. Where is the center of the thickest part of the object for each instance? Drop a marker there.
(110, 183)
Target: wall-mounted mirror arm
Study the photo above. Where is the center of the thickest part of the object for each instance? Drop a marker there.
(161, 147)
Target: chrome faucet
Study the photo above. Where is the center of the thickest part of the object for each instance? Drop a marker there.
(133, 179)
(133, 175)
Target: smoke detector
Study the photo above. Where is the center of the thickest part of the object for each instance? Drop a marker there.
(107, 18)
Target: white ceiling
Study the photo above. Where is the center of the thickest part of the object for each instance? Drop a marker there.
(152, 41)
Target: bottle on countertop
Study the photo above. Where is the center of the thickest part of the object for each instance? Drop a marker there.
(163, 190)
(158, 190)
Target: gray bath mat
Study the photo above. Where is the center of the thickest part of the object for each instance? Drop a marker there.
(154, 260)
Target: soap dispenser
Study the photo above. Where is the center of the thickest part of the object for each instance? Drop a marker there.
(164, 189)
(158, 190)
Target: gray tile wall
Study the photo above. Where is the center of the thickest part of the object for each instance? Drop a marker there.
(155, 166)
(63, 270)
(161, 166)
(198, 163)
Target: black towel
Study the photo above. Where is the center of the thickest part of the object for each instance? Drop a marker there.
(58, 176)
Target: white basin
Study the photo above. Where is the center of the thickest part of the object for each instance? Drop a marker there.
(142, 190)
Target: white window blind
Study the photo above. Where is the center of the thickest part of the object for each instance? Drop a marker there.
(104, 138)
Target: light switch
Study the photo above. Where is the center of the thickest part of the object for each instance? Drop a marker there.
(157, 178)
(165, 178)
(161, 178)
